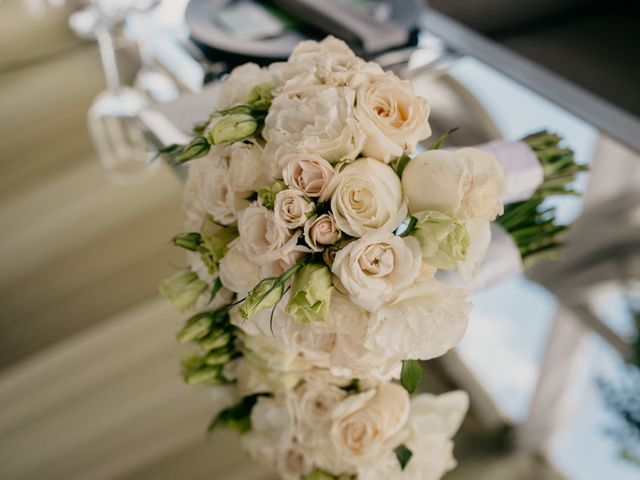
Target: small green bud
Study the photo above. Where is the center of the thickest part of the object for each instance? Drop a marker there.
(267, 195)
(220, 356)
(195, 329)
(264, 295)
(318, 475)
(189, 241)
(216, 339)
(232, 128)
(260, 96)
(214, 247)
(443, 240)
(210, 375)
(182, 289)
(311, 294)
(198, 147)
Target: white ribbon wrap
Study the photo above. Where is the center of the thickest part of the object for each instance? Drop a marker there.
(502, 260)
(521, 167)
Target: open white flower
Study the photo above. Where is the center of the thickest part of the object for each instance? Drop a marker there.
(314, 403)
(263, 236)
(467, 184)
(368, 424)
(307, 173)
(424, 321)
(393, 118)
(374, 268)
(237, 272)
(292, 209)
(247, 170)
(209, 184)
(235, 89)
(319, 120)
(366, 196)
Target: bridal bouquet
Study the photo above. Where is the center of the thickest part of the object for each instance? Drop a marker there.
(314, 235)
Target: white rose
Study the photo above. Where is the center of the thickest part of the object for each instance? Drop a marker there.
(374, 268)
(262, 236)
(393, 118)
(321, 231)
(330, 61)
(467, 184)
(293, 462)
(292, 209)
(237, 272)
(314, 403)
(318, 120)
(236, 87)
(247, 170)
(366, 196)
(368, 424)
(209, 184)
(423, 321)
(308, 173)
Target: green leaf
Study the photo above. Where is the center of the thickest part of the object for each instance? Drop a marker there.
(237, 417)
(215, 289)
(404, 455)
(410, 375)
(442, 139)
(353, 387)
(401, 164)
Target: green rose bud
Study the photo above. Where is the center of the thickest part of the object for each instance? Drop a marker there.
(182, 289)
(189, 241)
(444, 240)
(198, 147)
(311, 294)
(264, 295)
(260, 97)
(220, 356)
(232, 128)
(215, 246)
(267, 196)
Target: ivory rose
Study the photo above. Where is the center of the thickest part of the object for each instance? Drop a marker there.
(292, 209)
(424, 321)
(321, 231)
(368, 424)
(467, 184)
(366, 196)
(307, 173)
(247, 170)
(374, 268)
(392, 117)
(237, 272)
(263, 236)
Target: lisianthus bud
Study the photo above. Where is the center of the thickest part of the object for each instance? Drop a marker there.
(195, 370)
(264, 295)
(267, 196)
(216, 339)
(219, 356)
(232, 128)
(196, 327)
(215, 246)
(189, 241)
(182, 289)
(311, 294)
(260, 96)
(443, 240)
(198, 147)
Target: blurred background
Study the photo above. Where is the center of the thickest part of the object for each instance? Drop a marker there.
(89, 381)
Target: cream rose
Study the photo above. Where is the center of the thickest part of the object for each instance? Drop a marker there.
(292, 209)
(321, 231)
(368, 424)
(319, 120)
(374, 268)
(237, 272)
(307, 173)
(263, 236)
(424, 321)
(210, 184)
(467, 184)
(293, 462)
(366, 196)
(393, 118)
(247, 170)
(314, 403)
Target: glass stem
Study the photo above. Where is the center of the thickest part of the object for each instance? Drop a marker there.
(108, 57)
